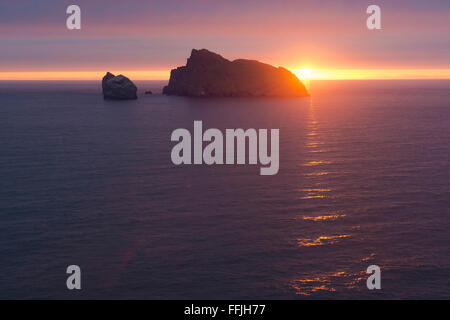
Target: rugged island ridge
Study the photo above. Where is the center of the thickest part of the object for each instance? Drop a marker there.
(208, 74)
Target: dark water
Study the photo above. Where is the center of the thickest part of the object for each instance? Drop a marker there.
(364, 179)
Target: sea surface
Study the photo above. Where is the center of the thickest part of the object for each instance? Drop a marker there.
(364, 180)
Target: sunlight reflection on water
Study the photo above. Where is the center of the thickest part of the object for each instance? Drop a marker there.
(320, 189)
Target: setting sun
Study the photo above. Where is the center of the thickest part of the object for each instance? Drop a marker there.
(304, 73)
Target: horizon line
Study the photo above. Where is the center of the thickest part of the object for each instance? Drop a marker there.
(164, 75)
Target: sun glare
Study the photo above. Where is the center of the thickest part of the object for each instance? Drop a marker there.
(304, 74)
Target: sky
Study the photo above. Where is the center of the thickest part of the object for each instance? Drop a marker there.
(144, 39)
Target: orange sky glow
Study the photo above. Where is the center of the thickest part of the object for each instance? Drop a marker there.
(313, 74)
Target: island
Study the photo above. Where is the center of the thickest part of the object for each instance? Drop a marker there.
(118, 88)
(208, 74)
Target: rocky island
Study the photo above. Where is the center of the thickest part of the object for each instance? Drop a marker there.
(208, 74)
(118, 88)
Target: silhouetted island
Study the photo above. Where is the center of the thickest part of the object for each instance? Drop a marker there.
(208, 74)
(118, 87)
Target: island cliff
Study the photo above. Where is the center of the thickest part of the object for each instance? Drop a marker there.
(118, 87)
(208, 74)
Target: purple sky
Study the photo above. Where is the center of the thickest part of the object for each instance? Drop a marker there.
(158, 35)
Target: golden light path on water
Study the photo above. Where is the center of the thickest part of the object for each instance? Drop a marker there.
(319, 189)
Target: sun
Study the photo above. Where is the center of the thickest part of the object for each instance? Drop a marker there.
(304, 73)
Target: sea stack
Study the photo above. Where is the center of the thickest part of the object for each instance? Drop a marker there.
(208, 74)
(118, 88)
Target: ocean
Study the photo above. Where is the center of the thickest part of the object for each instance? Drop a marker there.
(363, 180)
